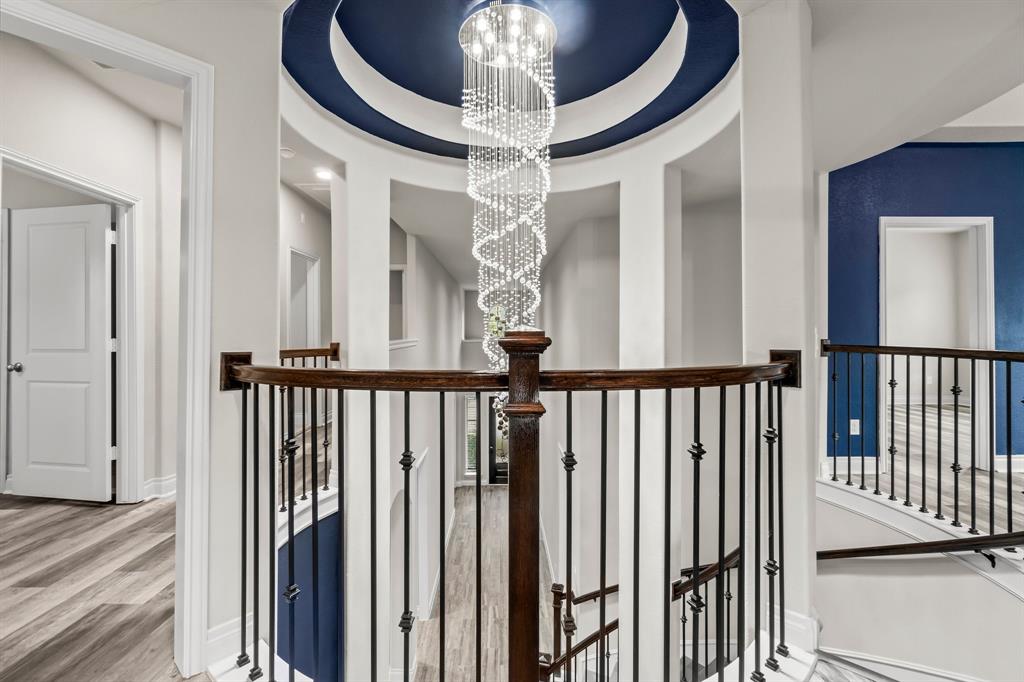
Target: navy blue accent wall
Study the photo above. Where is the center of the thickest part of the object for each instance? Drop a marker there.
(924, 179)
(330, 601)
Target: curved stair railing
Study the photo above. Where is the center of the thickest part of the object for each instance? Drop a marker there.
(929, 429)
(747, 399)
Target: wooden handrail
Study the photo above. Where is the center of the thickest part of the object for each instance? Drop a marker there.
(331, 352)
(672, 377)
(972, 544)
(975, 353)
(594, 594)
(460, 380)
(681, 587)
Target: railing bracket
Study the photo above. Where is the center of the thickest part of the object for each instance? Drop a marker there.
(227, 361)
(794, 358)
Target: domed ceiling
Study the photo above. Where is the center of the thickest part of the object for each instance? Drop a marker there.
(393, 68)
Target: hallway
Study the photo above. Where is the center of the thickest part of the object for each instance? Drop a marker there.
(86, 591)
(460, 632)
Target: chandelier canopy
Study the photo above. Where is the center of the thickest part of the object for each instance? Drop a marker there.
(509, 110)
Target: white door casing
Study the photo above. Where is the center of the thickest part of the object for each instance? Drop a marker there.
(60, 318)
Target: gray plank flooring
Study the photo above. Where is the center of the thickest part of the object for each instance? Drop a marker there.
(86, 591)
(983, 501)
(460, 627)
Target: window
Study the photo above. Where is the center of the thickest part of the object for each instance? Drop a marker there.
(472, 433)
(472, 322)
(396, 297)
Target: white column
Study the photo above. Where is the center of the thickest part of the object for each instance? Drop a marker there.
(360, 212)
(779, 255)
(649, 217)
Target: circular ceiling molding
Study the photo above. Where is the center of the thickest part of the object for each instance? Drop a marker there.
(623, 67)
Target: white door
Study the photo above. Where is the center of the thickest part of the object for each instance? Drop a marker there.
(59, 358)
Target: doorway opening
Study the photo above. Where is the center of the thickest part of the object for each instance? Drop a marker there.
(936, 290)
(303, 300)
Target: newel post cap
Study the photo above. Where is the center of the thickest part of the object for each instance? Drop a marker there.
(524, 341)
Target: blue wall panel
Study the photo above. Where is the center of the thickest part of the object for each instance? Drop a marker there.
(924, 179)
(330, 600)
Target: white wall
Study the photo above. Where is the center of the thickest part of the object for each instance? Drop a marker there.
(305, 227)
(712, 320)
(63, 119)
(933, 611)
(21, 190)
(434, 312)
(580, 313)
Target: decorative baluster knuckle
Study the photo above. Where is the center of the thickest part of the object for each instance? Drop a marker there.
(697, 452)
(405, 622)
(771, 435)
(569, 624)
(407, 460)
(569, 460)
(291, 593)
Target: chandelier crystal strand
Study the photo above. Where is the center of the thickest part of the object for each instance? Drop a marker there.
(509, 110)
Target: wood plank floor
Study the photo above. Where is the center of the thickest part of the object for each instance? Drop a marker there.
(999, 506)
(460, 568)
(86, 591)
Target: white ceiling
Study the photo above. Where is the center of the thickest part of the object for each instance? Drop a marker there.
(443, 220)
(157, 100)
(299, 172)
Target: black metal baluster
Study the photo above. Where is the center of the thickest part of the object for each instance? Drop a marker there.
(315, 537)
(255, 672)
(373, 535)
(327, 436)
(569, 462)
(892, 427)
(243, 657)
(938, 446)
(1009, 451)
(603, 550)
(924, 435)
(342, 621)
(771, 566)
(728, 616)
(697, 453)
(956, 468)
(991, 447)
(906, 454)
(707, 629)
(849, 417)
(719, 583)
(835, 415)
(863, 427)
(636, 545)
(878, 441)
(405, 624)
(442, 588)
(973, 530)
(741, 574)
(280, 454)
(782, 649)
(479, 541)
(303, 436)
(757, 675)
(272, 457)
(291, 593)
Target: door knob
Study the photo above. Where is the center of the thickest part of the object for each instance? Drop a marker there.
(16, 367)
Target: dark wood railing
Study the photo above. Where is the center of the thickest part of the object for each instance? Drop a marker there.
(950, 546)
(923, 448)
(521, 387)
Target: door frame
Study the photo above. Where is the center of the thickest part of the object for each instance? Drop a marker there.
(59, 28)
(982, 231)
(130, 418)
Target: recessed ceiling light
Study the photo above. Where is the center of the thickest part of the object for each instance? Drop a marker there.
(323, 173)
(287, 153)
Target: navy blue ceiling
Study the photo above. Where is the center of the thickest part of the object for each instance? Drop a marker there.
(414, 44)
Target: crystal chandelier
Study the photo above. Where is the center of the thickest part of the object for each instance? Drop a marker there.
(508, 107)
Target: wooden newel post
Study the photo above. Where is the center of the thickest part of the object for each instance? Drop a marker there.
(524, 411)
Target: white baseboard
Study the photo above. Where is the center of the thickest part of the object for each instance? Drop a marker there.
(156, 488)
(802, 630)
(222, 640)
(898, 670)
(1016, 462)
